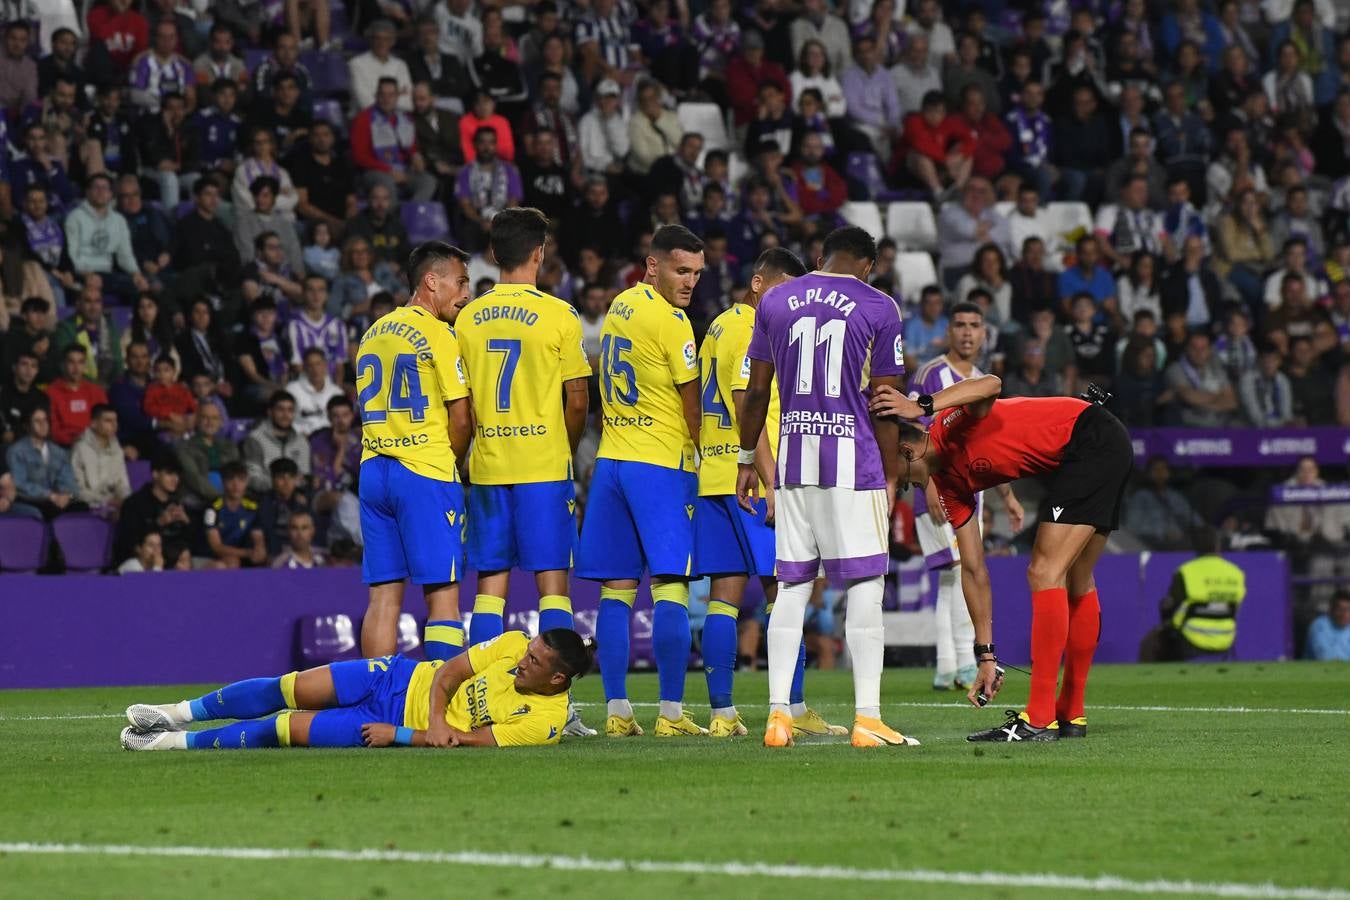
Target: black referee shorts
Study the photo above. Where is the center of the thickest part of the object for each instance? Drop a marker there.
(1089, 486)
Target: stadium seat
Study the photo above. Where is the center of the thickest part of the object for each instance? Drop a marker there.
(330, 111)
(23, 544)
(916, 271)
(85, 540)
(409, 634)
(1067, 217)
(237, 429)
(121, 316)
(641, 652)
(866, 215)
(329, 74)
(326, 639)
(524, 620)
(583, 622)
(254, 58)
(425, 222)
(184, 208)
(707, 120)
(138, 473)
(912, 226)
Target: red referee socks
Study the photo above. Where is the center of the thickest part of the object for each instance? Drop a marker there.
(1049, 633)
(1085, 629)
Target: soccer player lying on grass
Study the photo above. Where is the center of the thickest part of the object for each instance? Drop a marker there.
(509, 691)
(1084, 453)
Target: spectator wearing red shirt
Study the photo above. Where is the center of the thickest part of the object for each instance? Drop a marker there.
(821, 190)
(485, 115)
(73, 398)
(746, 72)
(168, 401)
(992, 139)
(124, 32)
(384, 147)
(937, 148)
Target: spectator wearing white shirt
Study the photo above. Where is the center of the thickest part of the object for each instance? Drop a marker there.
(817, 23)
(813, 71)
(379, 62)
(941, 41)
(300, 552)
(461, 29)
(1137, 288)
(1295, 255)
(604, 132)
(312, 390)
(916, 74)
(1029, 219)
(1130, 225)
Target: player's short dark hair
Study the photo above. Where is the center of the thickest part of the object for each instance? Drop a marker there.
(482, 130)
(34, 305)
(74, 348)
(256, 187)
(669, 238)
(279, 397)
(429, 254)
(99, 409)
(516, 233)
(314, 351)
(965, 306)
(386, 80)
(166, 461)
(338, 400)
(852, 240)
(932, 99)
(576, 655)
(164, 359)
(283, 466)
(233, 469)
(779, 261)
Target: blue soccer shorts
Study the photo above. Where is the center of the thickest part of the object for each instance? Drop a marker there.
(638, 516)
(413, 526)
(368, 690)
(522, 526)
(730, 541)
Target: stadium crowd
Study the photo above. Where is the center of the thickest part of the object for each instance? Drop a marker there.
(203, 206)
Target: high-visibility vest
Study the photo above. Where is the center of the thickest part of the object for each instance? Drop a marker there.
(1207, 618)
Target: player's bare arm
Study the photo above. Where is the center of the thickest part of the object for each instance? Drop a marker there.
(461, 426)
(754, 412)
(692, 407)
(448, 679)
(764, 462)
(977, 395)
(980, 604)
(576, 404)
(1016, 515)
(887, 431)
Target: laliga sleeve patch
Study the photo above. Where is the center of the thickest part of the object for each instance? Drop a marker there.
(745, 367)
(690, 355)
(459, 370)
(899, 350)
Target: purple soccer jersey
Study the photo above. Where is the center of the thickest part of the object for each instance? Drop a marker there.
(932, 377)
(825, 335)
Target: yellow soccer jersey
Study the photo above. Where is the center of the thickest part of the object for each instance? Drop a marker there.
(725, 368)
(519, 346)
(646, 353)
(407, 369)
(489, 697)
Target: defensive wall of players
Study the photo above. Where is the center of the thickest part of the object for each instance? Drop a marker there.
(87, 630)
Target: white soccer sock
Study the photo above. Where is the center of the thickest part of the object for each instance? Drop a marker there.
(797, 710)
(619, 708)
(725, 712)
(181, 711)
(785, 638)
(946, 645)
(963, 630)
(866, 637)
(672, 710)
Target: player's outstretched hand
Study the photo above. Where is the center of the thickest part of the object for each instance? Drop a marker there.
(747, 486)
(769, 510)
(440, 734)
(891, 401)
(988, 681)
(1016, 515)
(377, 734)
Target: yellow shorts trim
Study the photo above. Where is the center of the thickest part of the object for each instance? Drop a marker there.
(671, 592)
(623, 595)
(721, 608)
(444, 634)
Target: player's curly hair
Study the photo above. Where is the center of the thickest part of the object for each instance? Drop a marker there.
(576, 655)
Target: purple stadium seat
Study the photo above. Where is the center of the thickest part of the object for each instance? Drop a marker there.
(86, 541)
(409, 634)
(237, 429)
(23, 544)
(526, 621)
(326, 639)
(138, 473)
(330, 111)
(328, 73)
(254, 58)
(183, 209)
(425, 222)
(641, 653)
(584, 622)
(121, 317)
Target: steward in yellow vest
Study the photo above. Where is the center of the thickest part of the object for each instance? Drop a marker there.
(1199, 612)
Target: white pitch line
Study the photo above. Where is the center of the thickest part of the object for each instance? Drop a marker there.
(1101, 883)
(62, 718)
(1091, 706)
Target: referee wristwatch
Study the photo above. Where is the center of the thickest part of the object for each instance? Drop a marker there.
(925, 402)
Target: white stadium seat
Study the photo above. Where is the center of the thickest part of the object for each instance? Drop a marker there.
(707, 120)
(916, 271)
(912, 226)
(1065, 217)
(866, 215)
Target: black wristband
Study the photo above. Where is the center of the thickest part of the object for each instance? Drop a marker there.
(982, 649)
(925, 402)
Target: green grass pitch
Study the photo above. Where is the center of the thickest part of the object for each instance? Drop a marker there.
(1199, 773)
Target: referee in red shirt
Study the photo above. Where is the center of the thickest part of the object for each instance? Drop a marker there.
(1085, 456)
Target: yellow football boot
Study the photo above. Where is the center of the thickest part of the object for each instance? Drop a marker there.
(622, 726)
(683, 727)
(813, 723)
(722, 727)
(876, 733)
